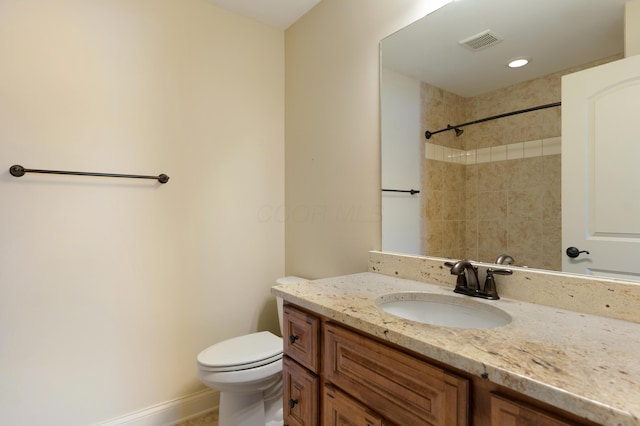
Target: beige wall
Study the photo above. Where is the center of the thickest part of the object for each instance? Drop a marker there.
(109, 288)
(332, 132)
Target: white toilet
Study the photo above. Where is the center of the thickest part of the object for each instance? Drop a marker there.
(247, 371)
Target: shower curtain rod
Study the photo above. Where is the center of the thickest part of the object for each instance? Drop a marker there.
(18, 171)
(428, 134)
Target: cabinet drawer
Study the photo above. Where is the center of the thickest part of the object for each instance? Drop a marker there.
(300, 395)
(403, 388)
(301, 332)
(339, 409)
(506, 412)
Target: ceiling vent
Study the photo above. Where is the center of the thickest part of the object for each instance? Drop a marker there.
(486, 38)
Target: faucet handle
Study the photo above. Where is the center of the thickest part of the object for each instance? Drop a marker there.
(489, 290)
(504, 259)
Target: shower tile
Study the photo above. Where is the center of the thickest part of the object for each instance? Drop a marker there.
(434, 234)
(515, 151)
(494, 206)
(429, 151)
(470, 157)
(552, 262)
(460, 156)
(434, 205)
(453, 234)
(533, 149)
(434, 175)
(492, 237)
(449, 155)
(491, 177)
(552, 237)
(525, 174)
(551, 146)
(498, 153)
(551, 123)
(551, 204)
(551, 172)
(439, 153)
(454, 206)
(524, 205)
(453, 177)
(483, 155)
(524, 239)
(471, 206)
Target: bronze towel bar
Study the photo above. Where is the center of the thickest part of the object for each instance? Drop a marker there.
(18, 171)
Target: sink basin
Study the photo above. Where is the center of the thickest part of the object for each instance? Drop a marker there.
(443, 310)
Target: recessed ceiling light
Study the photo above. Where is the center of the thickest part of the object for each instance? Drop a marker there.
(518, 62)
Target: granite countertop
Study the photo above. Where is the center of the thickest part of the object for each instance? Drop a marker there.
(584, 364)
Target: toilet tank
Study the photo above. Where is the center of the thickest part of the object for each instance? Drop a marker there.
(286, 281)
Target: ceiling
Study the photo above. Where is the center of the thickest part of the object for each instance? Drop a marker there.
(278, 13)
(555, 34)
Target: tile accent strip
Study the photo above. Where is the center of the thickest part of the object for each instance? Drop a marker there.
(529, 149)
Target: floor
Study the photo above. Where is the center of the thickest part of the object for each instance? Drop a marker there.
(209, 419)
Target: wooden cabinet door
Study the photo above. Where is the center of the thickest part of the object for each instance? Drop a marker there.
(301, 395)
(340, 410)
(301, 336)
(505, 412)
(404, 389)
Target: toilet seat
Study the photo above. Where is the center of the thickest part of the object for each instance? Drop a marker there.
(241, 353)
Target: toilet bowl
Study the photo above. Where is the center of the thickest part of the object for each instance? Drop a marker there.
(247, 371)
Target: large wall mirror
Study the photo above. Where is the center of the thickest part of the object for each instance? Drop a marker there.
(492, 187)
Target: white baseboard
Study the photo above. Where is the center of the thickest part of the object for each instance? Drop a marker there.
(171, 412)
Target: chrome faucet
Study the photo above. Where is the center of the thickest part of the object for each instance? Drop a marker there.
(505, 259)
(466, 283)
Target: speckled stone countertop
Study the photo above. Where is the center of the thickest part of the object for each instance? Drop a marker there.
(584, 364)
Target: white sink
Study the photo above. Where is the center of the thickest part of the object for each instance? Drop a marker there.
(443, 310)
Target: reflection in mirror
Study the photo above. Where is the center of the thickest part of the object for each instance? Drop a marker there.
(494, 187)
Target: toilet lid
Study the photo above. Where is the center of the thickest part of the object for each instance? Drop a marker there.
(238, 353)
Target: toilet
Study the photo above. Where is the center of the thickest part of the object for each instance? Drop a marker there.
(247, 371)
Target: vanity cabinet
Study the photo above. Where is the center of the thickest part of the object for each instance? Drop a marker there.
(334, 375)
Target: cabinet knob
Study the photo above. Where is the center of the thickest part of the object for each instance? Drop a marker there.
(292, 402)
(292, 339)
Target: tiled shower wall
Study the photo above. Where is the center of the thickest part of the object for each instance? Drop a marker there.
(496, 188)
(444, 202)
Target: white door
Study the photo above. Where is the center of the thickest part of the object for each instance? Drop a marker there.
(601, 169)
